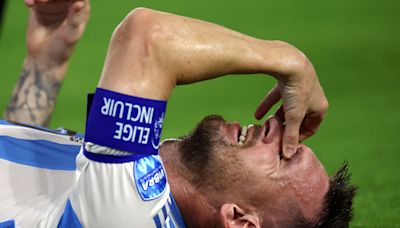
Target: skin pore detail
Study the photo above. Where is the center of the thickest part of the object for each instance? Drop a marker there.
(34, 95)
(250, 173)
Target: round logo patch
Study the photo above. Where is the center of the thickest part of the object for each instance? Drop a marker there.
(150, 177)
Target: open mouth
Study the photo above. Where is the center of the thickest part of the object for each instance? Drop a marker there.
(269, 131)
(242, 135)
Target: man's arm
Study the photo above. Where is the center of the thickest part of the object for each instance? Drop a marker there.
(151, 52)
(54, 29)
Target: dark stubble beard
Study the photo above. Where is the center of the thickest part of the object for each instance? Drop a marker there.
(210, 162)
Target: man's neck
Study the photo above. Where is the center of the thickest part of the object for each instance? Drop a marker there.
(193, 205)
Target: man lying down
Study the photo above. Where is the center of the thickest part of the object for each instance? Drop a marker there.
(219, 175)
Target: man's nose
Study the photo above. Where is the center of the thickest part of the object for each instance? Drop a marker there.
(291, 155)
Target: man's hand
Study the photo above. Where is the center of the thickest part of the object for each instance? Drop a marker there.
(151, 52)
(55, 26)
(303, 109)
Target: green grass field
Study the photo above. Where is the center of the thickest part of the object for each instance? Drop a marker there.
(354, 46)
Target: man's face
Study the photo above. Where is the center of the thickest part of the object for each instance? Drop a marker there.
(247, 162)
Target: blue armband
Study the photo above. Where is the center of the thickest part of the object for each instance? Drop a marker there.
(125, 123)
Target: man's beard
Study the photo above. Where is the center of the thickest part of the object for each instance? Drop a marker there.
(210, 161)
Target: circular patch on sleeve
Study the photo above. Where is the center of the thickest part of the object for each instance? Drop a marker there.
(150, 177)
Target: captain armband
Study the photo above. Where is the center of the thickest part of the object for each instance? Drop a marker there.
(125, 123)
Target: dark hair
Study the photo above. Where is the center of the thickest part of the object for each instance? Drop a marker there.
(337, 209)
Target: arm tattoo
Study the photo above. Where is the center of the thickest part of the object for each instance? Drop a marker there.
(34, 96)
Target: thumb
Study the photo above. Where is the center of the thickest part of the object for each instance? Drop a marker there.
(75, 13)
(291, 135)
(78, 15)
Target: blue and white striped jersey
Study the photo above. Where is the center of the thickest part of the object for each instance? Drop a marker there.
(47, 181)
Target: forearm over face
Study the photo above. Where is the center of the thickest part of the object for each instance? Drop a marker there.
(194, 50)
(150, 52)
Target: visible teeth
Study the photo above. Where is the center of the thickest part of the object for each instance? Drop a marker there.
(244, 130)
(242, 138)
(243, 134)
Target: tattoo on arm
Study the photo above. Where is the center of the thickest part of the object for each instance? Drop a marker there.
(34, 96)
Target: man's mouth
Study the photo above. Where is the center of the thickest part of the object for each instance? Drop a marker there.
(242, 135)
(268, 132)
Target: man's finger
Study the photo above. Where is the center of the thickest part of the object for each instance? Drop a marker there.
(291, 135)
(78, 15)
(75, 14)
(33, 2)
(309, 126)
(29, 3)
(272, 98)
(280, 113)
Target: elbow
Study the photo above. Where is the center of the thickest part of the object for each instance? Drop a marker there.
(134, 55)
(141, 29)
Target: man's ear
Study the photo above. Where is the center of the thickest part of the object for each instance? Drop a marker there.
(232, 216)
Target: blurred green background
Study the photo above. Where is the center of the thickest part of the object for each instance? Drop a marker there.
(354, 46)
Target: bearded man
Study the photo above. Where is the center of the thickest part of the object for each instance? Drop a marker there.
(221, 174)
